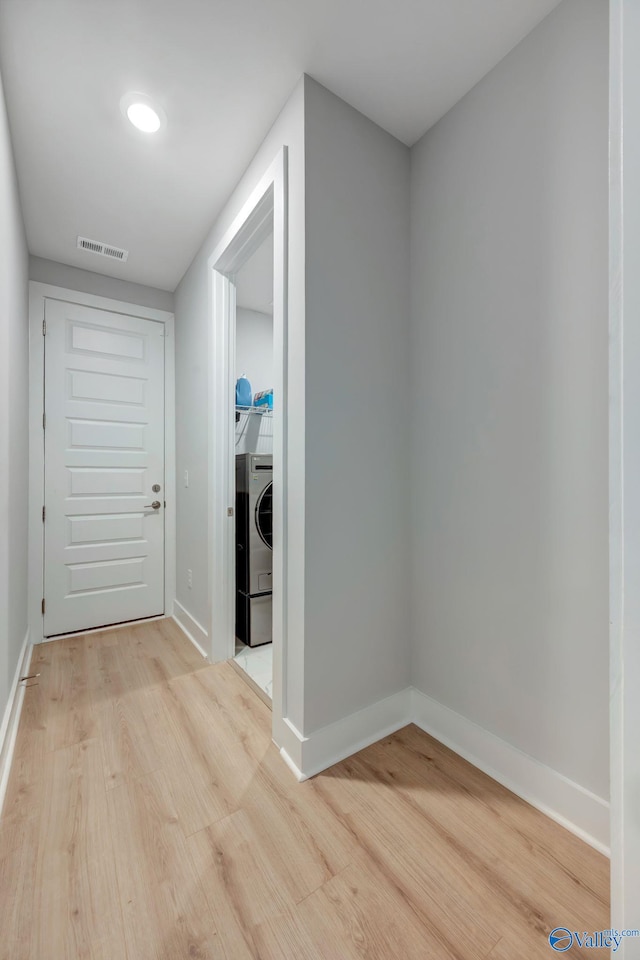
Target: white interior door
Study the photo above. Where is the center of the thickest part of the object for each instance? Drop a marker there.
(104, 452)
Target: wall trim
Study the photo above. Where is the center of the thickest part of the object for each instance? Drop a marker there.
(572, 806)
(266, 208)
(191, 629)
(341, 739)
(577, 809)
(110, 626)
(11, 718)
(298, 774)
(289, 741)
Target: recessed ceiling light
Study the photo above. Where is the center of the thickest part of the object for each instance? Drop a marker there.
(139, 109)
(143, 117)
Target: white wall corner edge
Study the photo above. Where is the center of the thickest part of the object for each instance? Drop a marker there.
(339, 740)
(577, 809)
(11, 718)
(191, 629)
(290, 742)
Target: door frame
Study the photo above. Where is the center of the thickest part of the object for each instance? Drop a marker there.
(265, 209)
(624, 464)
(38, 294)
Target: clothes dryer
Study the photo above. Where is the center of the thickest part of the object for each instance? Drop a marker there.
(254, 556)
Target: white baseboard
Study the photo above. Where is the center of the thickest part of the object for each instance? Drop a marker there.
(574, 807)
(298, 774)
(11, 718)
(107, 629)
(339, 740)
(289, 740)
(191, 628)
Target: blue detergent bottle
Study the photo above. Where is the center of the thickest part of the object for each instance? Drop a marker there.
(243, 392)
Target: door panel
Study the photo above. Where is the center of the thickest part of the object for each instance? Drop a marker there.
(113, 481)
(104, 449)
(106, 527)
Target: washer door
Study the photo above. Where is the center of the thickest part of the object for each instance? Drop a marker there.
(264, 515)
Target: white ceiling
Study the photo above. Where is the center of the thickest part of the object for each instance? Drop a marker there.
(254, 283)
(221, 69)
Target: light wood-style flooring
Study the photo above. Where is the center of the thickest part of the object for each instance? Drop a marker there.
(148, 815)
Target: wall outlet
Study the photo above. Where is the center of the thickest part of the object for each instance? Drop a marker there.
(189, 579)
(186, 478)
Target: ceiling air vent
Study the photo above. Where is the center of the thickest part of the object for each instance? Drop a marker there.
(103, 249)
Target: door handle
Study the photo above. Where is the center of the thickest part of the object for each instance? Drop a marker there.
(155, 505)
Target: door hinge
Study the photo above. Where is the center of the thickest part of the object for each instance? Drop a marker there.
(43, 606)
(44, 421)
(44, 514)
(44, 328)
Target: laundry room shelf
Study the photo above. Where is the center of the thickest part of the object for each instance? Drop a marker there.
(256, 411)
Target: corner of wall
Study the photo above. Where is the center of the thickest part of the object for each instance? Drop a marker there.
(572, 806)
(357, 319)
(193, 630)
(321, 749)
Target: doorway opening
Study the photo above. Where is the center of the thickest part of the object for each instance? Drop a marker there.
(254, 468)
(248, 606)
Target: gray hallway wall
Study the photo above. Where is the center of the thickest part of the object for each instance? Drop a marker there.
(509, 400)
(14, 406)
